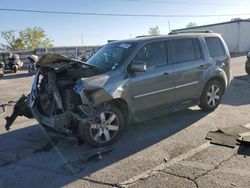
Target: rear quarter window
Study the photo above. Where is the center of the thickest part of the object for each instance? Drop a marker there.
(215, 47)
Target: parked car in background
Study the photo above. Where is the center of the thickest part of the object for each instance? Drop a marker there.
(129, 80)
(15, 62)
(247, 66)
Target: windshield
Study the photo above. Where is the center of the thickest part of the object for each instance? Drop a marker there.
(110, 56)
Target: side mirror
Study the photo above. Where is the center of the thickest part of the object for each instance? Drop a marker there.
(138, 66)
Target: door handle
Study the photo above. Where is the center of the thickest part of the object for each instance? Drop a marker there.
(203, 66)
(165, 74)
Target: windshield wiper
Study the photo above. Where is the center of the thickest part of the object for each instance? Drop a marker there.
(102, 68)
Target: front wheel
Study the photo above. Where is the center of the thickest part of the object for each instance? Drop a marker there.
(105, 129)
(211, 96)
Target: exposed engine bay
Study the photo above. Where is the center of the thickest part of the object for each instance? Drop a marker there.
(61, 98)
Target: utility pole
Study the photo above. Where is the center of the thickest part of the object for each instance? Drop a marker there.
(82, 39)
(169, 28)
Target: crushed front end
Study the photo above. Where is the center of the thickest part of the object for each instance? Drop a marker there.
(59, 98)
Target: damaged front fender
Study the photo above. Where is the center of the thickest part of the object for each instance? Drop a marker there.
(97, 90)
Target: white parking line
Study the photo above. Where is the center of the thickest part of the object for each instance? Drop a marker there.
(247, 126)
(163, 166)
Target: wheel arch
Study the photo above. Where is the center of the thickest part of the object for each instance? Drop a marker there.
(122, 105)
(220, 79)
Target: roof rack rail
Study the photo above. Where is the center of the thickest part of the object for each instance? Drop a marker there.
(197, 31)
(141, 36)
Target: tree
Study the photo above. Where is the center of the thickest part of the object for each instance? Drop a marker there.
(191, 24)
(35, 38)
(11, 41)
(27, 39)
(154, 30)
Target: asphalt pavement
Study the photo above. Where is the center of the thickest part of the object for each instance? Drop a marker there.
(170, 151)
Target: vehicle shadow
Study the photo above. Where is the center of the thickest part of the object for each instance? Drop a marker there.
(14, 76)
(32, 166)
(238, 91)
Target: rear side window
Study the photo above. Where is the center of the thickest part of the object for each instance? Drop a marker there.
(215, 47)
(186, 50)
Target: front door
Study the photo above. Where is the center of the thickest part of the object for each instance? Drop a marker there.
(154, 88)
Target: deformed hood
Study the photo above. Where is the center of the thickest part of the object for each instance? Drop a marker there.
(55, 61)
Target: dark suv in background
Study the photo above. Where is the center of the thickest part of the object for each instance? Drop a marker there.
(129, 80)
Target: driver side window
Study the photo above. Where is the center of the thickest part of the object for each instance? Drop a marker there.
(154, 54)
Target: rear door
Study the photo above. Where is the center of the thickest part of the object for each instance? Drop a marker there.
(189, 66)
(218, 54)
(153, 89)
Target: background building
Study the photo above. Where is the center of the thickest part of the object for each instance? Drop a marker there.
(236, 33)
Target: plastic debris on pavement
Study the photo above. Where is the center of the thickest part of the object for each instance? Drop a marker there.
(229, 136)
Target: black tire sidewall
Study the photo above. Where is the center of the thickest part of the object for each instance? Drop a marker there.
(84, 130)
(1, 72)
(203, 101)
(247, 68)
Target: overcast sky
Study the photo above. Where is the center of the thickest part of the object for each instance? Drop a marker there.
(67, 29)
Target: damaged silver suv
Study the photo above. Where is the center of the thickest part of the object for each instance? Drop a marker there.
(130, 80)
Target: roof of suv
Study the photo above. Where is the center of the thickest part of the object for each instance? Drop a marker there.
(155, 37)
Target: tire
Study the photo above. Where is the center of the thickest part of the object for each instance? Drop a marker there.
(211, 96)
(247, 68)
(1, 72)
(99, 134)
(15, 70)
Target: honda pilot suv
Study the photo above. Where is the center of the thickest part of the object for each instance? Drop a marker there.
(129, 80)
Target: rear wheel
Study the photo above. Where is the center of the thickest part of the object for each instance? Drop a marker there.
(15, 69)
(211, 96)
(105, 129)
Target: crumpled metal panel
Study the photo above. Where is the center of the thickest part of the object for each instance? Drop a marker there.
(51, 61)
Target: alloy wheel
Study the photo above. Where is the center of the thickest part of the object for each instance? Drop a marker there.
(105, 127)
(213, 95)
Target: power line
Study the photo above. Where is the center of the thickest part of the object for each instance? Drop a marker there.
(189, 3)
(121, 15)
